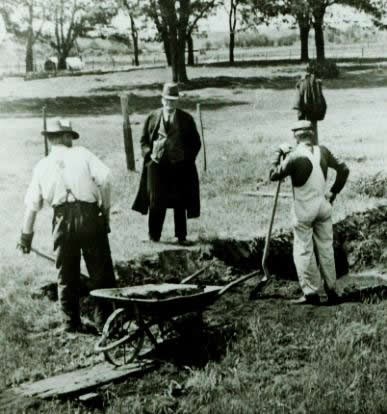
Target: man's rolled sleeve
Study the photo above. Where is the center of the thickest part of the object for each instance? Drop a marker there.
(33, 199)
(280, 168)
(342, 171)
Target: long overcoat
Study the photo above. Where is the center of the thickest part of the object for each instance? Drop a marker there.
(191, 142)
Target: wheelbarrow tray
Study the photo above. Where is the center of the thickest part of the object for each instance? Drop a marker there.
(161, 307)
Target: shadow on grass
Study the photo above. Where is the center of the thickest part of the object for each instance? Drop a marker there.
(231, 82)
(367, 76)
(195, 344)
(100, 105)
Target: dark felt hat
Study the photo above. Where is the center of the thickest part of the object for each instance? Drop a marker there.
(170, 91)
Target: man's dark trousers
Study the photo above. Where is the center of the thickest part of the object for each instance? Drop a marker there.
(156, 220)
(79, 228)
(166, 187)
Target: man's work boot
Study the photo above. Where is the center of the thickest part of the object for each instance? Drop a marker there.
(333, 298)
(312, 299)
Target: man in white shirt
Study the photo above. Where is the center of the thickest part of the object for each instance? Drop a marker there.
(76, 184)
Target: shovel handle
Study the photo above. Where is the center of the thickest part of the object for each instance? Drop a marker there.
(268, 235)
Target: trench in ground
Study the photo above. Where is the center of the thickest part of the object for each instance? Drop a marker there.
(361, 260)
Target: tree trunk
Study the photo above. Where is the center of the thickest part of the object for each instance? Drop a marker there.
(134, 32)
(184, 12)
(167, 50)
(173, 50)
(135, 49)
(182, 70)
(191, 57)
(30, 40)
(29, 52)
(232, 21)
(319, 39)
(62, 61)
(304, 39)
(231, 47)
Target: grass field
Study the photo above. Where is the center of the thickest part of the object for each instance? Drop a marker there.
(279, 360)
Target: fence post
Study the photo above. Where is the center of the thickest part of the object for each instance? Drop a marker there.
(44, 114)
(199, 114)
(128, 140)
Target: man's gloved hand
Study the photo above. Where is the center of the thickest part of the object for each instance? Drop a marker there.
(25, 242)
(284, 149)
(330, 196)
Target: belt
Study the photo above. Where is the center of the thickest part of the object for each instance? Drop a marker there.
(76, 204)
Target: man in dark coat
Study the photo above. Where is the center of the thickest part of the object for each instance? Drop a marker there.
(170, 143)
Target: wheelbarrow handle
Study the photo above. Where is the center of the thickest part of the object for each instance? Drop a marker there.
(237, 282)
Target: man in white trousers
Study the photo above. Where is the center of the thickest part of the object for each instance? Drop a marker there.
(307, 165)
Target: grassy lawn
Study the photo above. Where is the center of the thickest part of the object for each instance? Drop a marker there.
(280, 360)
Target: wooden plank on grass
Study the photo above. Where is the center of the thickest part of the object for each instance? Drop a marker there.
(76, 382)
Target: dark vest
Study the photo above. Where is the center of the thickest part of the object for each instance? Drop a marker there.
(168, 147)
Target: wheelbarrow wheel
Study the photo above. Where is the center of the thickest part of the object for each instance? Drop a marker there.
(121, 339)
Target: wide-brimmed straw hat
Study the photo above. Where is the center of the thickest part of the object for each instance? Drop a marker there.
(170, 91)
(59, 126)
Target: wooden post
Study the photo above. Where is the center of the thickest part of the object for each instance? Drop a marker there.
(128, 141)
(44, 130)
(199, 114)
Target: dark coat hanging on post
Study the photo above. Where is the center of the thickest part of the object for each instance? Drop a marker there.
(158, 187)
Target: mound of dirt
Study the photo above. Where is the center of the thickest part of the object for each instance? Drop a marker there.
(360, 242)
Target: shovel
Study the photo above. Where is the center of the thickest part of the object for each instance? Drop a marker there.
(266, 278)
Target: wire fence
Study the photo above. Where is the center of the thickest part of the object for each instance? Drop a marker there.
(203, 56)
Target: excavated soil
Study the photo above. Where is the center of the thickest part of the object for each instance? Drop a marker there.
(360, 243)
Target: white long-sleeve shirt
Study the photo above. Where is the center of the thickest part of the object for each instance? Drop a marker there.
(74, 168)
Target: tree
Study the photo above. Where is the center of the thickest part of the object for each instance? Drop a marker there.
(134, 11)
(376, 8)
(232, 24)
(176, 21)
(70, 17)
(251, 13)
(152, 10)
(171, 18)
(200, 9)
(301, 11)
(31, 13)
(310, 13)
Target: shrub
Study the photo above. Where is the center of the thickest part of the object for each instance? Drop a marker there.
(372, 186)
(326, 69)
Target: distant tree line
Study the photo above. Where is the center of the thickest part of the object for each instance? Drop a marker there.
(61, 22)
